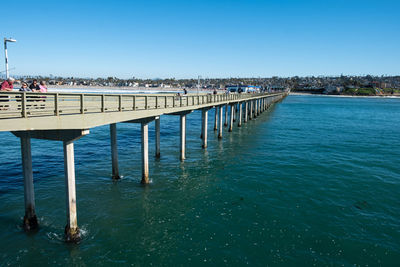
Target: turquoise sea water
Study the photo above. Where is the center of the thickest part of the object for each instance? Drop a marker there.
(314, 181)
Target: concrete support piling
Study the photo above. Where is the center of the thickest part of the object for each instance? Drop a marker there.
(72, 232)
(257, 107)
(183, 136)
(246, 111)
(240, 115)
(226, 115)
(234, 112)
(202, 123)
(114, 151)
(205, 124)
(254, 109)
(145, 152)
(157, 134)
(251, 109)
(231, 118)
(262, 104)
(30, 220)
(216, 119)
(220, 122)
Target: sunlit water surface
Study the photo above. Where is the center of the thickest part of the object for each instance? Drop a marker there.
(314, 181)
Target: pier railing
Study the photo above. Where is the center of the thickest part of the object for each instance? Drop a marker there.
(26, 104)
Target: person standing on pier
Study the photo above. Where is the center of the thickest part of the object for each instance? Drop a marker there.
(34, 86)
(25, 88)
(7, 85)
(43, 87)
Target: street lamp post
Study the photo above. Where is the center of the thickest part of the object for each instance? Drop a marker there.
(5, 51)
(198, 84)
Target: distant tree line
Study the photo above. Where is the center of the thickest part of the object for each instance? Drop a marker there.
(295, 83)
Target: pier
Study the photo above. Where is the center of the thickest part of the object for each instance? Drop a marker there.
(67, 117)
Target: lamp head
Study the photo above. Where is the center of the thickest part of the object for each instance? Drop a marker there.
(9, 40)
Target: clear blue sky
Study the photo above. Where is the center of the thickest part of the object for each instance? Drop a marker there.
(183, 39)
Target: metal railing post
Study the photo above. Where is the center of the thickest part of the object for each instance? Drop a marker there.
(23, 104)
(103, 103)
(56, 105)
(82, 103)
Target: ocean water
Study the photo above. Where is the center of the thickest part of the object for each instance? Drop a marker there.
(313, 181)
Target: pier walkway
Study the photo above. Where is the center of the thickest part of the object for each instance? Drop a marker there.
(67, 117)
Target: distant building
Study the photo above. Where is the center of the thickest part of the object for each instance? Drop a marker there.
(276, 88)
(332, 89)
(376, 84)
(244, 88)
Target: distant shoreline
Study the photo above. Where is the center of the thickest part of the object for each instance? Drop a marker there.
(371, 96)
(127, 88)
